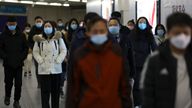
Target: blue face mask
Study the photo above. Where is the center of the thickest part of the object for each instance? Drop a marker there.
(114, 30)
(12, 27)
(99, 39)
(160, 32)
(48, 30)
(38, 25)
(142, 26)
(74, 26)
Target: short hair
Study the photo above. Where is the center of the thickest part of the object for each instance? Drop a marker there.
(115, 19)
(59, 20)
(131, 21)
(94, 21)
(11, 19)
(116, 14)
(38, 17)
(90, 16)
(178, 19)
(27, 25)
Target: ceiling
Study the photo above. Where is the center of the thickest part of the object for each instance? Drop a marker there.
(73, 3)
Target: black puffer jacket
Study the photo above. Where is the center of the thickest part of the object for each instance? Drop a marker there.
(142, 46)
(159, 78)
(34, 31)
(13, 48)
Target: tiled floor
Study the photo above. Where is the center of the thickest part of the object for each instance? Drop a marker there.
(30, 94)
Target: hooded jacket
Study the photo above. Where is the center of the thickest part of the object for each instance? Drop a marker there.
(13, 48)
(49, 54)
(159, 78)
(99, 79)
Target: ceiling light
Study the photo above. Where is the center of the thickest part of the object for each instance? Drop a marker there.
(41, 3)
(85, 1)
(27, 2)
(55, 4)
(66, 4)
(74, 0)
(13, 1)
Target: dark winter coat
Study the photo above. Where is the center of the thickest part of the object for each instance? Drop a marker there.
(159, 88)
(34, 31)
(13, 48)
(142, 47)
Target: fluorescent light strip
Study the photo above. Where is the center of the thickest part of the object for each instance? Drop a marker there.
(74, 0)
(85, 1)
(27, 2)
(66, 5)
(41, 3)
(11, 1)
(55, 4)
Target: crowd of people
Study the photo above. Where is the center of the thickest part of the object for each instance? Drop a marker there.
(104, 63)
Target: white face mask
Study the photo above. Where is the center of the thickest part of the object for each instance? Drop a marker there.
(181, 41)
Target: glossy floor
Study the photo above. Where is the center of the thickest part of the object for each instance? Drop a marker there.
(30, 94)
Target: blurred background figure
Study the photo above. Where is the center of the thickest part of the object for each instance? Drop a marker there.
(73, 26)
(28, 62)
(131, 24)
(82, 24)
(143, 43)
(123, 29)
(60, 25)
(123, 40)
(160, 33)
(37, 29)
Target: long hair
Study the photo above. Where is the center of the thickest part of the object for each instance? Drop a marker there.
(162, 26)
(147, 32)
(70, 30)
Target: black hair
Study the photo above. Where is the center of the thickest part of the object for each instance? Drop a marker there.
(147, 32)
(94, 21)
(131, 21)
(116, 14)
(162, 27)
(113, 18)
(178, 19)
(27, 25)
(70, 22)
(89, 16)
(11, 19)
(66, 25)
(52, 34)
(70, 30)
(38, 17)
(59, 20)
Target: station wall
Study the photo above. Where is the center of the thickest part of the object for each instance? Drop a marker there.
(51, 12)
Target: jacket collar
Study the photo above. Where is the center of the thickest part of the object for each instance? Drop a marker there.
(101, 48)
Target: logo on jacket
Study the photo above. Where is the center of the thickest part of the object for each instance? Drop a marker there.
(164, 72)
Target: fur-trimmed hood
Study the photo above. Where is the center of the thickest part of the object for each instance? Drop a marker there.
(39, 38)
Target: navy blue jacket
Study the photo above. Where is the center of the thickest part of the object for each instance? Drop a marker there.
(142, 47)
(127, 49)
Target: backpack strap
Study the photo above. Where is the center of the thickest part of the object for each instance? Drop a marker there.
(57, 45)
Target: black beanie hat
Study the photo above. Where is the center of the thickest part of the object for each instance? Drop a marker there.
(12, 19)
